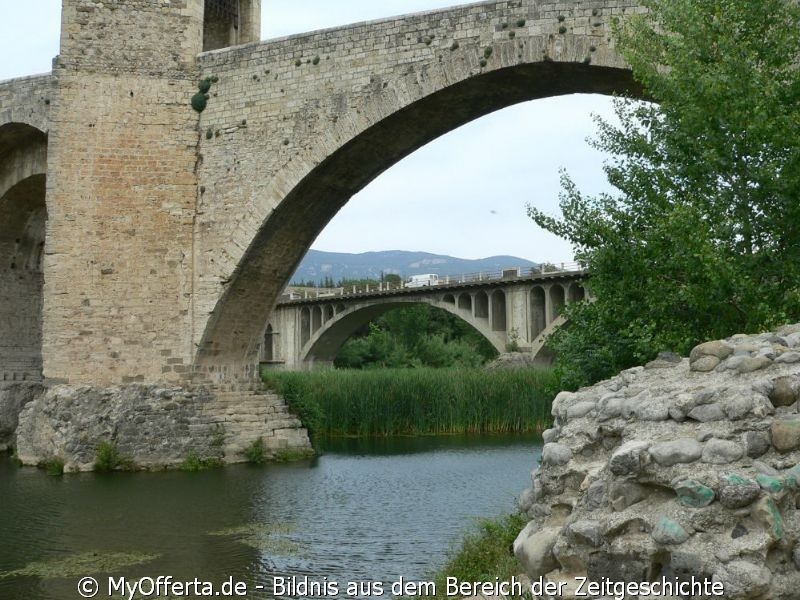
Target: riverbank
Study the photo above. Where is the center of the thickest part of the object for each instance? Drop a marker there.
(386, 402)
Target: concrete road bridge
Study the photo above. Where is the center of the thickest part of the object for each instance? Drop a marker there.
(511, 308)
(159, 187)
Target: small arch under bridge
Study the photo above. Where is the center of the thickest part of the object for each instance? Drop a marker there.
(522, 310)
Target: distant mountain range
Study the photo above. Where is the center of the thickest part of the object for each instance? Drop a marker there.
(317, 265)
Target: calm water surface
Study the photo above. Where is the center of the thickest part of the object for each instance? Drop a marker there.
(365, 510)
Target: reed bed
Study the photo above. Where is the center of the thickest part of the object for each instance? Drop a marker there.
(424, 401)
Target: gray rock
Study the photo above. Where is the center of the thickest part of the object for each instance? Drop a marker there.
(526, 500)
(630, 458)
(580, 409)
(722, 452)
(586, 532)
(550, 435)
(534, 549)
(704, 364)
(738, 492)
(756, 443)
(595, 495)
(754, 363)
(788, 358)
(624, 494)
(707, 413)
(743, 580)
(718, 349)
(555, 454)
(684, 450)
(784, 391)
(785, 434)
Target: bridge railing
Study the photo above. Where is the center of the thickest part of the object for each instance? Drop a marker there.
(445, 280)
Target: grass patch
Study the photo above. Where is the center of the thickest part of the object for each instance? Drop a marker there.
(53, 465)
(108, 458)
(424, 401)
(485, 553)
(194, 463)
(255, 453)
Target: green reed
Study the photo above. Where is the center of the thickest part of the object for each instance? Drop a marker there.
(384, 402)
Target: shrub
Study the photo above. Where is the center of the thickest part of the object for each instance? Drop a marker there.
(108, 458)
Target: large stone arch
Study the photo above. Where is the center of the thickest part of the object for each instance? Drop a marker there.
(290, 172)
(23, 214)
(325, 344)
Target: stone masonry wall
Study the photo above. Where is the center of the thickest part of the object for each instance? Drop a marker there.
(295, 126)
(681, 468)
(122, 158)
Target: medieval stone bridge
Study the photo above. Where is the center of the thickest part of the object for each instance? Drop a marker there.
(518, 311)
(144, 241)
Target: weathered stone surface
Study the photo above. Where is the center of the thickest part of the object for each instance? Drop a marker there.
(722, 452)
(718, 349)
(738, 492)
(630, 458)
(757, 443)
(669, 532)
(707, 413)
(784, 391)
(769, 483)
(534, 549)
(13, 398)
(729, 515)
(786, 434)
(753, 363)
(694, 494)
(685, 450)
(155, 426)
(743, 580)
(703, 364)
(555, 454)
(766, 512)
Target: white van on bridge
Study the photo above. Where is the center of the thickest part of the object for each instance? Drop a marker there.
(418, 281)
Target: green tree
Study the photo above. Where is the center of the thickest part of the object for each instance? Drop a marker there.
(702, 237)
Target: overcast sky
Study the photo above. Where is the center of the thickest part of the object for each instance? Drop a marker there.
(450, 197)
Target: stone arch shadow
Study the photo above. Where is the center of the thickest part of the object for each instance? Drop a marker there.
(231, 338)
(23, 217)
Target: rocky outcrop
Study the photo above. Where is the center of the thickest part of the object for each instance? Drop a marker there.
(13, 397)
(155, 426)
(678, 469)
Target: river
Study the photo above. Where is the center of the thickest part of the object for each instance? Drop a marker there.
(371, 510)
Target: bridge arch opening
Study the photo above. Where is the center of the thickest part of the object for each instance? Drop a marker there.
(449, 298)
(305, 325)
(557, 299)
(375, 141)
(324, 346)
(576, 293)
(23, 217)
(465, 302)
(498, 310)
(316, 319)
(481, 305)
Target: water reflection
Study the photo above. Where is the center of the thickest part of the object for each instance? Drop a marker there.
(365, 510)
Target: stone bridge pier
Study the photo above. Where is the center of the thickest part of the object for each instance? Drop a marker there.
(512, 315)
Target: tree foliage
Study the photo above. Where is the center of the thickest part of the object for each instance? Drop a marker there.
(701, 238)
(415, 336)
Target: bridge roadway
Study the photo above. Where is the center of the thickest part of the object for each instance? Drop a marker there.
(516, 310)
